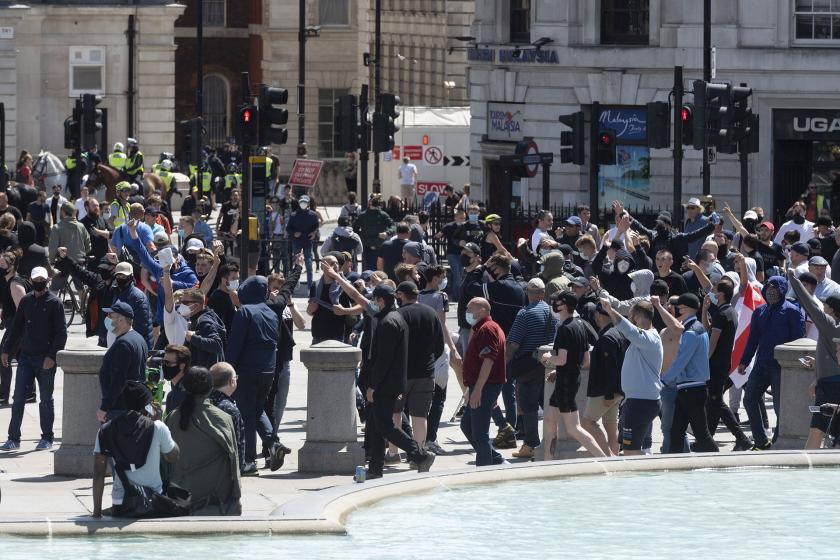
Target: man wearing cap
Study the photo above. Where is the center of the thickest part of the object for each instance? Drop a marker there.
(772, 253)
(39, 332)
(571, 231)
(471, 287)
(663, 236)
(798, 255)
(826, 287)
(302, 229)
(387, 382)
(533, 327)
(124, 290)
(694, 220)
(124, 361)
(150, 216)
(407, 175)
(689, 373)
(796, 223)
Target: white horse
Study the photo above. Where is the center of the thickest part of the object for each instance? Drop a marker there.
(49, 170)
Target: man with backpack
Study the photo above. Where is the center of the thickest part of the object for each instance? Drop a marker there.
(344, 240)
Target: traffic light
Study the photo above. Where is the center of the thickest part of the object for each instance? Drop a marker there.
(272, 115)
(385, 125)
(749, 143)
(658, 125)
(193, 138)
(741, 118)
(91, 119)
(714, 115)
(346, 124)
(248, 125)
(572, 142)
(687, 116)
(606, 147)
(73, 128)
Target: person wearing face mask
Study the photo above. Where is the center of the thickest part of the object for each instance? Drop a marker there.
(38, 333)
(471, 286)
(206, 335)
(374, 225)
(302, 229)
(796, 223)
(453, 253)
(124, 289)
(473, 230)
(776, 322)
(124, 361)
(176, 362)
(101, 290)
(12, 290)
(223, 300)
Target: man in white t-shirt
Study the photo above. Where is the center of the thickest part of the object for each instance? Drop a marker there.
(407, 175)
(796, 223)
(122, 442)
(541, 239)
(81, 211)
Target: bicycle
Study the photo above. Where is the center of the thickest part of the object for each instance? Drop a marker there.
(71, 302)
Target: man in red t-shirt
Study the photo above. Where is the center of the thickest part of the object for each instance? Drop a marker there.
(484, 374)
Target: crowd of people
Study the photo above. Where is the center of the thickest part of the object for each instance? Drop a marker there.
(651, 312)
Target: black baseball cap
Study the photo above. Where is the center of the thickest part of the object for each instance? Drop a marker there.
(689, 300)
(408, 287)
(567, 298)
(383, 291)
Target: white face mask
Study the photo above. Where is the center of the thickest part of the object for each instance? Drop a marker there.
(184, 310)
(623, 266)
(233, 285)
(443, 284)
(304, 205)
(470, 318)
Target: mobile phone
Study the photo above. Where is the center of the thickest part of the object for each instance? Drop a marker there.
(813, 409)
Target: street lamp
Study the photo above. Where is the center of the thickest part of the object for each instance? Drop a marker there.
(411, 62)
(304, 32)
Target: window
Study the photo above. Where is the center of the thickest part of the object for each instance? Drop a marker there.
(215, 109)
(625, 22)
(213, 13)
(87, 70)
(520, 21)
(817, 19)
(334, 12)
(326, 110)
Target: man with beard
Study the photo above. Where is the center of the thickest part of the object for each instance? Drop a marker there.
(386, 384)
(776, 322)
(97, 229)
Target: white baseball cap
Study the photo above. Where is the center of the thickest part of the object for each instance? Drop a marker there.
(194, 245)
(39, 273)
(693, 202)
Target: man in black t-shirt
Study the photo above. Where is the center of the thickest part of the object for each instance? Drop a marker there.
(453, 254)
(391, 252)
(325, 293)
(676, 283)
(722, 327)
(471, 231)
(97, 229)
(571, 352)
(771, 252)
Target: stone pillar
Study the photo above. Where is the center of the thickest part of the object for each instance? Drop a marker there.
(81, 399)
(331, 445)
(566, 447)
(795, 420)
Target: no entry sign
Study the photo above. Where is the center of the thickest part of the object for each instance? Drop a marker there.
(305, 172)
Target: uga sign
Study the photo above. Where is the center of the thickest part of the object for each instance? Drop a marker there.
(806, 124)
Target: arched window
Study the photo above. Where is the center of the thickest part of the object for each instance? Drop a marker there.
(216, 109)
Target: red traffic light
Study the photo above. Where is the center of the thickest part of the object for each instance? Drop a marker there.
(606, 139)
(246, 116)
(686, 114)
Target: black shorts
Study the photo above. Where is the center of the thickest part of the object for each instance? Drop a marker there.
(827, 391)
(565, 392)
(637, 420)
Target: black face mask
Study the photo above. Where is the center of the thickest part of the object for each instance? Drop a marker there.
(123, 283)
(465, 260)
(661, 230)
(723, 250)
(170, 372)
(191, 260)
(798, 219)
(39, 286)
(749, 225)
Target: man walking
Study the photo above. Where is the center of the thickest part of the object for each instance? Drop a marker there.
(776, 322)
(38, 330)
(484, 374)
(386, 384)
(689, 373)
(124, 361)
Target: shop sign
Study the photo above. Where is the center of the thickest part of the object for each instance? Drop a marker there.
(505, 121)
(806, 124)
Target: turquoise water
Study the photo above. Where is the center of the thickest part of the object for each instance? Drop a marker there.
(737, 513)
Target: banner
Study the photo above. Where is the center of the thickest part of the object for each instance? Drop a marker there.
(750, 301)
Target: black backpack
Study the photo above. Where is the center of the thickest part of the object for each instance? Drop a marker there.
(343, 244)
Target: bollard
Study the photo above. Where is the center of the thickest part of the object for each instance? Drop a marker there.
(331, 445)
(566, 447)
(794, 417)
(81, 399)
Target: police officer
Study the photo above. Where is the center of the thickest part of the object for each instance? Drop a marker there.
(134, 161)
(165, 173)
(233, 180)
(117, 159)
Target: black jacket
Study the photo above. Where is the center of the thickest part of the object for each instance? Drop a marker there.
(124, 361)
(506, 298)
(672, 240)
(278, 304)
(207, 344)
(38, 329)
(605, 366)
(389, 355)
(426, 337)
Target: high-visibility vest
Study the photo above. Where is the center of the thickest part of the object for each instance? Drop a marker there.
(117, 160)
(134, 164)
(206, 182)
(166, 177)
(233, 180)
(156, 169)
(119, 212)
(268, 164)
(70, 163)
(820, 203)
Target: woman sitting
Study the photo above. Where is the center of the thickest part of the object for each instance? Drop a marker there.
(209, 465)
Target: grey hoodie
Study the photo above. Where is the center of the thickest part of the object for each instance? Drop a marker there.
(641, 281)
(342, 231)
(826, 327)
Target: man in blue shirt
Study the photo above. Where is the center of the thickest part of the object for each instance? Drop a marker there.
(122, 237)
(689, 373)
(776, 322)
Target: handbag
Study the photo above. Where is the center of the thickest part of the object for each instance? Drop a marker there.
(141, 502)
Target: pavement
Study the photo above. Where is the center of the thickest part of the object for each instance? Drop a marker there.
(30, 490)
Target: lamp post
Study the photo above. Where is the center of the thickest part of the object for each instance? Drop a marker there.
(411, 62)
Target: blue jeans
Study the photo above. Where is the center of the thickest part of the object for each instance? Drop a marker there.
(509, 398)
(666, 416)
(475, 424)
(369, 258)
(763, 375)
(250, 398)
(282, 393)
(457, 272)
(307, 260)
(29, 370)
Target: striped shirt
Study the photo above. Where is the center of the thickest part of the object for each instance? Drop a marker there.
(535, 325)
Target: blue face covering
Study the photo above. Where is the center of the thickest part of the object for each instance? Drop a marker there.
(109, 324)
(713, 298)
(470, 318)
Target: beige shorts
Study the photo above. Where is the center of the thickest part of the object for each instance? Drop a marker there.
(599, 408)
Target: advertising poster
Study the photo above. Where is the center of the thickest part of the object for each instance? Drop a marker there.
(629, 179)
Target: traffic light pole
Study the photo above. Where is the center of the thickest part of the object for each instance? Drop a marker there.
(377, 82)
(707, 77)
(593, 157)
(4, 177)
(743, 158)
(245, 211)
(301, 92)
(364, 152)
(678, 134)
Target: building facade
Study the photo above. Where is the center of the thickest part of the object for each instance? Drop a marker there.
(534, 60)
(52, 52)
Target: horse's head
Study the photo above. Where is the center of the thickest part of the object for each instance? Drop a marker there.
(94, 178)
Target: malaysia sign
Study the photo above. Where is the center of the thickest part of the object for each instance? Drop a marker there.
(629, 123)
(513, 56)
(305, 172)
(505, 121)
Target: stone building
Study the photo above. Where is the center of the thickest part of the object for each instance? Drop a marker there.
(535, 60)
(52, 52)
